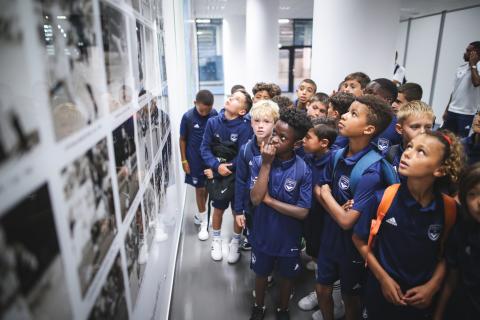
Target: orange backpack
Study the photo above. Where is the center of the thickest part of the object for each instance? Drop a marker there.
(450, 215)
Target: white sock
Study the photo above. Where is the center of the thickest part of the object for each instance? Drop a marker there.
(201, 216)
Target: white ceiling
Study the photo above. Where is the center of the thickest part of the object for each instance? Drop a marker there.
(304, 8)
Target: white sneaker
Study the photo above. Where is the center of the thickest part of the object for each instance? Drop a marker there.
(203, 233)
(311, 265)
(317, 315)
(216, 249)
(308, 302)
(234, 251)
(196, 220)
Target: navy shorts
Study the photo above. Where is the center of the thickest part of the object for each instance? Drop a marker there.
(262, 264)
(460, 124)
(197, 181)
(222, 205)
(351, 273)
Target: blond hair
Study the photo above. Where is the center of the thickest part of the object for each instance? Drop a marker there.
(265, 108)
(414, 109)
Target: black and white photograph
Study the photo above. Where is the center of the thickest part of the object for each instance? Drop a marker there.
(88, 194)
(146, 8)
(126, 164)
(155, 123)
(151, 74)
(136, 252)
(115, 48)
(73, 54)
(159, 190)
(140, 72)
(32, 277)
(111, 302)
(168, 173)
(150, 203)
(144, 141)
(18, 122)
(161, 58)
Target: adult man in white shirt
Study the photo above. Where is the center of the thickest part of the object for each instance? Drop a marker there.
(398, 73)
(465, 98)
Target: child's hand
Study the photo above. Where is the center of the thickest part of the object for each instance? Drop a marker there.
(419, 297)
(186, 167)
(392, 292)
(223, 169)
(348, 205)
(208, 173)
(268, 152)
(240, 220)
(474, 58)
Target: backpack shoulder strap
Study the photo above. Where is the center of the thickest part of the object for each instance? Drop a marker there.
(450, 216)
(389, 173)
(360, 167)
(337, 156)
(392, 152)
(382, 210)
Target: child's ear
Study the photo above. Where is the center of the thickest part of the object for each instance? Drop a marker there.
(369, 130)
(324, 143)
(398, 128)
(440, 172)
(242, 112)
(337, 114)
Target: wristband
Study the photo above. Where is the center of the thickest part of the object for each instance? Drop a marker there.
(473, 67)
(184, 161)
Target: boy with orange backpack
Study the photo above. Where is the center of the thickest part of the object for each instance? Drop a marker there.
(402, 238)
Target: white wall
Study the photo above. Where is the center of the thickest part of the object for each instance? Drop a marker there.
(234, 58)
(365, 44)
(401, 39)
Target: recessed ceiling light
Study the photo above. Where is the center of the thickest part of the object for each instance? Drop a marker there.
(283, 21)
(284, 8)
(202, 20)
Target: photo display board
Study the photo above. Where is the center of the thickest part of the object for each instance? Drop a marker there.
(85, 155)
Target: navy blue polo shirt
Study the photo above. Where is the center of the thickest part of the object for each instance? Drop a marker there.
(389, 137)
(290, 182)
(408, 242)
(192, 128)
(340, 142)
(472, 150)
(242, 175)
(336, 242)
(237, 130)
(463, 254)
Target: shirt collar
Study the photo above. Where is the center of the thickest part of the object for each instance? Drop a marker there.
(410, 201)
(321, 161)
(284, 164)
(350, 161)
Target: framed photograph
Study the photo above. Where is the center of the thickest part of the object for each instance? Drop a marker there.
(140, 68)
(144, 141)
(155, 124)
(167, 163)
(88, 195)
(18, 120)
(111, 303)
(115, 48)
(137, 253)
(126, 164)
(73, 54)
(32, 275)
(150, 202)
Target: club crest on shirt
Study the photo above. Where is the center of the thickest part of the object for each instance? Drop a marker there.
(234, 137)
(344, 183)
(383, 144)
(290, 184)
(434, 231)
(254, 259)
(196, 126)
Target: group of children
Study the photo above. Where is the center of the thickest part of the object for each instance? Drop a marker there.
(383, 203)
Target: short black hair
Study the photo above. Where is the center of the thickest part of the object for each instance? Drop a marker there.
(325, 128)
(298, 120)
(236, 87)
(411, 91)
(320, 97)
(379, 114)
(360, 77)
(248, 99)
(283, 102)
(476, 45)
(388, 89)
(276, 90)
(310, 81)
(341, 101)
(262, 86)
(205, 97)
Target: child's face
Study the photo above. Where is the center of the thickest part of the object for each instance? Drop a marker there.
(262, 127)
(331, 113)
(203, 109)
(414, 126)
(261, 95)
(305, 92)
(422, 158)
(375, 89)
(283, 137)
(476, 124)
(316, 110)
(354, 123)
(235, 104)
(399, 102)
(352, 86)
(311, 142)
(473, 202)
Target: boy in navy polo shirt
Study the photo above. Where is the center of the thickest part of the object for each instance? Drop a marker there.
(338, 104)
(406, 263)
(192, 128)
(386, 90)
(471, 144)
(305, 91)
(264, 114)
(355, 83)
(338, 258)
(229, 125)
(281, 190)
